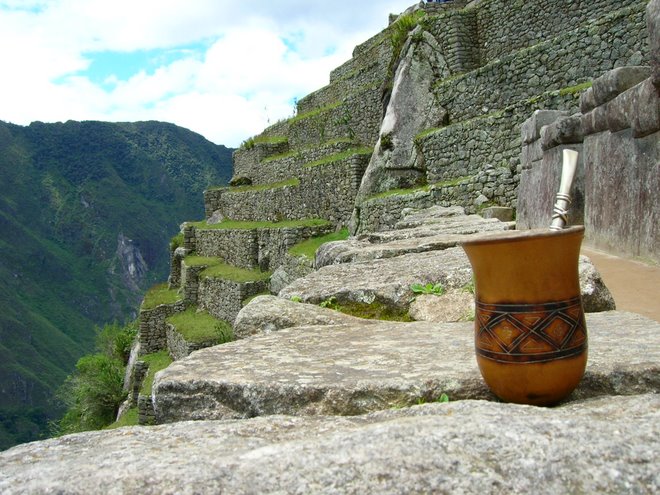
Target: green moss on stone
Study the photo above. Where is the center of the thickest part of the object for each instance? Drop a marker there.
(315, 112)
(337, 157)
(578, 88)
(129, 418)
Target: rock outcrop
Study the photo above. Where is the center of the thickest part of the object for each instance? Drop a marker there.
(606, 445)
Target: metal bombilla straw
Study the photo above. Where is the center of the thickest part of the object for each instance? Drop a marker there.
(560, 212)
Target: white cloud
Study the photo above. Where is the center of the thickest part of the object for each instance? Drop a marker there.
(256, 58)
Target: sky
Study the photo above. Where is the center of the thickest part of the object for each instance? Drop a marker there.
(225, 69)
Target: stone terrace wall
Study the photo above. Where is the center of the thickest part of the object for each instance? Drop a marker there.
(574, 57)
(276, 168)
(367, 68)
(325, 191)
(457, 33)
(263, 248)
(224, 298)
(507, 25)
(153, 328)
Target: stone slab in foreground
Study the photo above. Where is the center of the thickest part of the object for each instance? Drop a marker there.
(608, 445)
(356, 369)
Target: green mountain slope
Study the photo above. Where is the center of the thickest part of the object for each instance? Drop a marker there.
(86, 212)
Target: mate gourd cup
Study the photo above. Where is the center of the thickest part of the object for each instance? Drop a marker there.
(530, 331)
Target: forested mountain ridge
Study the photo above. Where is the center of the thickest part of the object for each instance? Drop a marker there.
(86, 212)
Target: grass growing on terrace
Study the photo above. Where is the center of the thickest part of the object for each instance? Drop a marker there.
(340, 156)
(156, 362)
(159, 294)
(245, 225)
(308, 247)
(315, 112)
(233, 273)
(130, 418)
(199, 327)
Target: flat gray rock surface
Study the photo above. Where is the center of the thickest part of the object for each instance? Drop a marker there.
(386, 281)
(266, 314)
(356, 369)
(609, 445)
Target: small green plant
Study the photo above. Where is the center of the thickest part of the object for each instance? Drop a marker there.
(240, 181)
(248, 144)
(434, 289)
(297, 299)
(176, 241)
(330, 303)
(443, 399)
(469, 287)
(386, 142)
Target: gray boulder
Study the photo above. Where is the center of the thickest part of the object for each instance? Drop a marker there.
(411, 109)
(596, 296)
(607, 445)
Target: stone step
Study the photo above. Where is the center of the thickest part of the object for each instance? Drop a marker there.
(356, 369)
(261, 246)
(387, 282)
(323, 189)
(284, 166)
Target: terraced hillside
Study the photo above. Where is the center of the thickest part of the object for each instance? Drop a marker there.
(361, 149)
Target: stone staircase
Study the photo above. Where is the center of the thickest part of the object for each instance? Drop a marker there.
(299, 179)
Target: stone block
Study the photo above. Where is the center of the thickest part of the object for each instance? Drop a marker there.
(530, 130)
(502, 213)
(653, 26)
(354, 369)
(645, 109)
(613, 83)
(566, 130)
(606, 445)
(587, 100)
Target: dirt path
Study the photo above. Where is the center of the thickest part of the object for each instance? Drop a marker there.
(634, 285)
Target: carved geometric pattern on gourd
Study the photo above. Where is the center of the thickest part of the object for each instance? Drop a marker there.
(530, 333)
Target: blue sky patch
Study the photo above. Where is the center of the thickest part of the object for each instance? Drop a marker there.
(107, 68)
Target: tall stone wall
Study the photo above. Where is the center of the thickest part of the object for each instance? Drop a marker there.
(508, 25)
(619, 38)
(616, 191)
